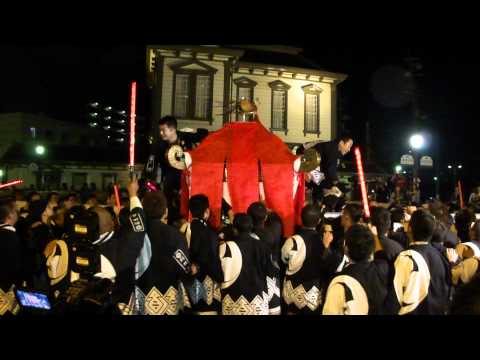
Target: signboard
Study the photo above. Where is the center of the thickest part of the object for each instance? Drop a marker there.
(426, 161)
(406, 160)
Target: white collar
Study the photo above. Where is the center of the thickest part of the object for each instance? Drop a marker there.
(8, 227)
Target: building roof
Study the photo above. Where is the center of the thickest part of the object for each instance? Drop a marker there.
(277, 55)
(24, 153)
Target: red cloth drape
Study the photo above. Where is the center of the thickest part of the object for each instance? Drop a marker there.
(242, 166)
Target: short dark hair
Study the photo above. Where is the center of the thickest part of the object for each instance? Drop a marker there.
(7, 206)
(398, 215)
(36, 209)
(243, 223)
(360, 243)
(50, 195)
(463, 219)
(330, 202)
(439, 233)
(381, 219)
(354, 211)
(423, 225)
(311, 215)
(31, 195)
(69, 195)
(258, 212)
(169, 120)
(155, 204)
(344, 136)
(198, 204)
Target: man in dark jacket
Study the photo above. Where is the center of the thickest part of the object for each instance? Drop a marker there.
(381, 219)
(330, 153)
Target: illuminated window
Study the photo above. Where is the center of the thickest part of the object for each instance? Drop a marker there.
(312, 109)
(279, 105)
(193, 90)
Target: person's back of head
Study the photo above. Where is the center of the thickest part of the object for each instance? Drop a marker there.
(439, 233)
(463, 220)
(359, 243)
(36, 210)
(275, 225)
(155, 205)
(8, 211)
(258, 212)
(381, 219)
(330, 203)
(397, 215)
(243, 223)
(53, 196)
(422, 225)
(311, 216)
(198, 206)
(33, 196)
(105, 219)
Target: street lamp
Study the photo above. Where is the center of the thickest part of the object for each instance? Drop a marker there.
(40, 150)
(398, 169)
(1, 173)
(417, 141)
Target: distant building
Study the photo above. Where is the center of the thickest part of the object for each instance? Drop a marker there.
(74, 154)
(296, 99)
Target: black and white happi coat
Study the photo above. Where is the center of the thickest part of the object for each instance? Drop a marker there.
(422, 281)
(360, 288)
(203, 246)
(273, 281)
(309, 268)
(161, 270)
(246, 265)
(10, 269)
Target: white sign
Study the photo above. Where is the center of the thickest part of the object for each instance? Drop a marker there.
(406, 160)
(33, 167)
(426, 161)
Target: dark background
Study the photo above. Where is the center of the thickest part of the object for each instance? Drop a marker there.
(59, 79)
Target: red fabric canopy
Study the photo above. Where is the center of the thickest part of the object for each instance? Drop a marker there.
(245, 147)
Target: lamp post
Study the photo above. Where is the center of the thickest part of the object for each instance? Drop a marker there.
(416, 143)
(40, 152)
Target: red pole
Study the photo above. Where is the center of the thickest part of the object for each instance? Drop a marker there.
(133, 99)
(117, 196)
(460, 193)
(11, 183)
(363, 188)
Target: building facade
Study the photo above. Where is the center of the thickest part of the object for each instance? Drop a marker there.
(296, 99)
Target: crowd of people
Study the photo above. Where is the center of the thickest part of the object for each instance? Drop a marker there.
(401, 260)
(396, 259)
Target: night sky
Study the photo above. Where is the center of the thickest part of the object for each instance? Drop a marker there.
(60, 79)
